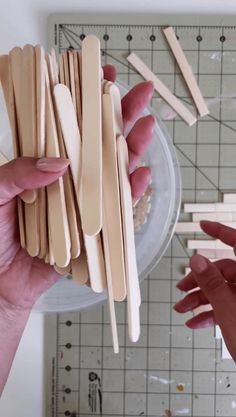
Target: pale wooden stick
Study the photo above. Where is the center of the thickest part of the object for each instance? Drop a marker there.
(68, 187)
(133, 291)
(59, 242)
(110, 281)
(68, 121)
(187, 227)
(80, 272)
(29, 140)
(214, 207)
(207, 244)
(66, 68)
(15, 61)
(111, 201)
(72, 77)
(61, 70)
(186, 71)
(214, 216)
(40, 145)
(229, 198)
(63, 271)
(161, 89)
(91, 180)
(76, 58)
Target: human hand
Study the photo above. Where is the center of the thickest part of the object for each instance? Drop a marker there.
(217, 286)
(23, 278)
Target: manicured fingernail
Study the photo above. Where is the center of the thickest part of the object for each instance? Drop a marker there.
(52, 164)
(199, 264)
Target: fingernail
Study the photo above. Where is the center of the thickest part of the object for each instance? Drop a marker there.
(199, 264)
(52, 164)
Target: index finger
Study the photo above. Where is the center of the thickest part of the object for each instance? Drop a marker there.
(217, 230)
(135, 101)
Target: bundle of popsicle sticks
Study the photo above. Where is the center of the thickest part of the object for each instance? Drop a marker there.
(82, 223)
(224, 213)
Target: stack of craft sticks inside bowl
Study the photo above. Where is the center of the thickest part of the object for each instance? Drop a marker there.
(83, 223)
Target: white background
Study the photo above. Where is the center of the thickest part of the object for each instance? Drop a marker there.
(24, 21)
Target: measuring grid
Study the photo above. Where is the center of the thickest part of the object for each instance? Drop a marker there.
(171, 371)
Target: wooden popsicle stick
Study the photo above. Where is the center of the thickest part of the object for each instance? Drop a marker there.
(111, 201)
(29, 140)
(79, 268)
(57, 216)
(72, 77)
(229, 198)
(69, 125)
(110, 281)
(91, 178)
(186, 71)
(111, 89)
(188, 227)
(63, 271)
(66, 68)
(68, 186)
(133, 291)
(55, 66)
(40, 125)
(207, 244)
(15, 67)
(216, 217)
(61, 70)
(161, 89)
(76, 58)
(214, 207)
(208, 253)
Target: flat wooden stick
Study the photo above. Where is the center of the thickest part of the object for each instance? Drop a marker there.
(68, 186)
(57, 215)
(15, 61)
(79, 267)
(61, 70)
(63, 271)
(229, 198)
(78, 97)
(214, 216)
(29, 140)
(72, 77)
(111, 200)
(188, 227)
(68, 121)
(207, 244)
(91, 180)
(211, 208)
(40, 145)
(66, 68)
(133, 290)
(161, 89)
(186, 71)
(110, 284)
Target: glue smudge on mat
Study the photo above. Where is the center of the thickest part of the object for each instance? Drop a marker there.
(180, 387)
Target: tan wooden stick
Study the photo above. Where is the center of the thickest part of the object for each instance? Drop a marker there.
(161, 89)
(186, 71)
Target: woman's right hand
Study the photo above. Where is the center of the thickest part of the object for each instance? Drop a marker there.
(217, 286)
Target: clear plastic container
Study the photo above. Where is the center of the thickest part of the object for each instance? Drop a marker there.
(153, 237)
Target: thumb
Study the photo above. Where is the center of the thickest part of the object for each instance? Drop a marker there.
(217, 291)
(28, 173)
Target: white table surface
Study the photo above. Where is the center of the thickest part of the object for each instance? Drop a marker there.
(23, 22)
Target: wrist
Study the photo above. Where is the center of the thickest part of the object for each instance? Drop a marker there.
(13, 313)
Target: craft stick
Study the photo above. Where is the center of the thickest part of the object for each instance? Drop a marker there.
(215, 207)
(60, 242)
(111, 201)
(40, 143)
(29, 140)
(68, 121)
(111, 89)
(63, 271)
(68, 186)
(76, 58)
(61, 70)
(229, 198)
(133, 290)
(161, 89)
(110, 280)
(187, 227)
(207, 244)
(66, 68)
(72, 77)
(15, 60)
(214, 216)
(55, 66)
(91, 180)
(186, 71)
(79, 268)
